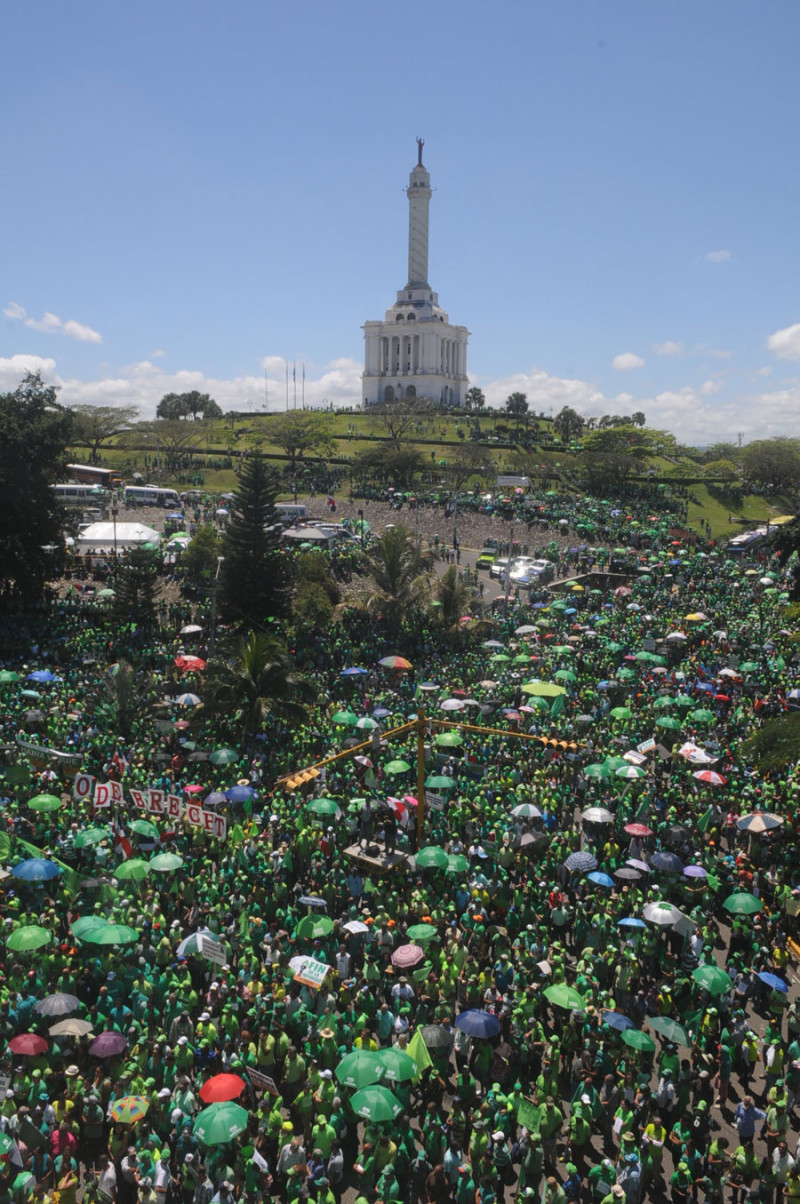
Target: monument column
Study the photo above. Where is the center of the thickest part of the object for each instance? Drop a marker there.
(419, 198)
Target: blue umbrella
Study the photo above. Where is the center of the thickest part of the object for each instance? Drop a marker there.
(600, 878)
(668, 862)
(215, 798)
(618, 1021)
(581, 863)
(239, 794)
(772, 980)
(42, 675)
(36, 869)
(353, 671)
(631, 922)
(477, 1023)
(380, 713)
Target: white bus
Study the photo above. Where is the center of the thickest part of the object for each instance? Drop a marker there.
(290, 512)
(80, 495)
(151, 495)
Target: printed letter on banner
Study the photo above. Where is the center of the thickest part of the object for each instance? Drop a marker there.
(174, 806)
(83, 785)
(208, 822)
(220, 827)
(139, 799)
(102, 794)
(116, 793)
(155, 802)
(194, 814)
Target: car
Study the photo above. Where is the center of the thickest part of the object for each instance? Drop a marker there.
(486, 558)
(530, 572)
(499, 567)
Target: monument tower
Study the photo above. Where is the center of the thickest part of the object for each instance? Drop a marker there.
(414, 351)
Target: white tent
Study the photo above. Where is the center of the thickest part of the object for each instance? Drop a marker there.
(99, 537)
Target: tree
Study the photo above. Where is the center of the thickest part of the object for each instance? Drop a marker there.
(568, 424)
(469, 460)
(255, 573)
(174, 406)
(135, 586)
(389, 464)
(254, 682)
(474, 399)
(774, 746)
(638, 419)
(401, 415)
(612, 454)
(171, 437)
(517, 405)
(95, 425)
(200, 559)
(398, 581)
(773, 463)
(453, 598)
(35, 431)
(721, 470)
(298, 432)
(126, 699)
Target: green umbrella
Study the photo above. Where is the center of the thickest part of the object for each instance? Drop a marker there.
(626, 675)
(30, 936)
(220, 1123)
(670, 722)
(323, 806)
(223, 756)
(664, 703)
(376, 1104)
(702, 715)
(636, 1039)
(162, 863)
(612, 764)
(670, 1029)
(396, 767)
(90, 836)
(84, 924)
(45, 802)
(597, 772)
(359, 1069)
(715, 980)
(7, 677)
(457, 863)
(630, 772)
(345, 719)
(440, 781)
(431, 858)
(449, 739)
(565, 675)
(562, 996)
(111, 934)
(398, 1067)
(144, 828)
(543, 689)
(749, 667)
(500, 658)
(421, 932)
(742, 903)
(522, 658)
(621, 713)
(133, 870)
(313, 928)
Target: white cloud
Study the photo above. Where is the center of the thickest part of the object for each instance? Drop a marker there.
(671, 347)
(626, 361)
(786, 343)
(157, 355)
(717, 256)
(544, 392)
(13, 368)
(50, 323)
(765, 371)
(709, 388)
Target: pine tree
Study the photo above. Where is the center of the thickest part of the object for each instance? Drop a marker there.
(255, 579)
(135, 589)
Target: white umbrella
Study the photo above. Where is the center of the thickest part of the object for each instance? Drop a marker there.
(597, 815)
(527, 811)
(677, 635)
(452, 704)
(662, 913)
(355, 926)
(191, 629)
(525, 629)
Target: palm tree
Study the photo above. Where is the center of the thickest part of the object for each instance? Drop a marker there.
(398, 578)
(453, 602)
(257, 681)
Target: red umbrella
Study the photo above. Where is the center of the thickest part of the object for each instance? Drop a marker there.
(708, 775)
(638, 830)
(722, 698)
(28, 1043)
(189, 662)
(222, 1087)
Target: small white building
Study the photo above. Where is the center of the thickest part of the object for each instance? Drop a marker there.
(414, 351)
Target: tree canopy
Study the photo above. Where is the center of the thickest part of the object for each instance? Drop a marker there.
(254, 681)
(174, 406)
(298, 432)
(96, 425)
(255, 573)
(35, 431)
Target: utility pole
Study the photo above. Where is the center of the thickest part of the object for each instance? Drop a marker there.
(508, 566)
(212, 639)
(421, 799)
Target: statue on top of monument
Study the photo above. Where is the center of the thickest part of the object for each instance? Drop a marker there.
(420, 144)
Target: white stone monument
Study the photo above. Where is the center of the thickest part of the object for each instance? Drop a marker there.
(414, 351)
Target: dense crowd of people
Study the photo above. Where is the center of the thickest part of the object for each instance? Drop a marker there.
(577, 985)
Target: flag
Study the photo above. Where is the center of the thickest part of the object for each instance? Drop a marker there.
(557, 705)
(418, 1050)
(294, 372)
(121, 843)
(704, 820)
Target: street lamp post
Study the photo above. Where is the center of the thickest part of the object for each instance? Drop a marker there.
(508, 565)
(114, 513)
(212, 639)
(360, 514)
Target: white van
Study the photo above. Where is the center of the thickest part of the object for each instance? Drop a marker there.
(290, 512)
(80, 495)
(151, 495)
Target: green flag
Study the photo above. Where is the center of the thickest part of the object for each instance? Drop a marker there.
(557, 705)
(418, 1050)
(704, 820)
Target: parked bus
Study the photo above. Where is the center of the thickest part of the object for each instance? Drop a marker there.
(151, 495)
(109, 478)
(290, 512)
(80, 495)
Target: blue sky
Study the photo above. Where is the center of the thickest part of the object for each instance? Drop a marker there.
(197, 191)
